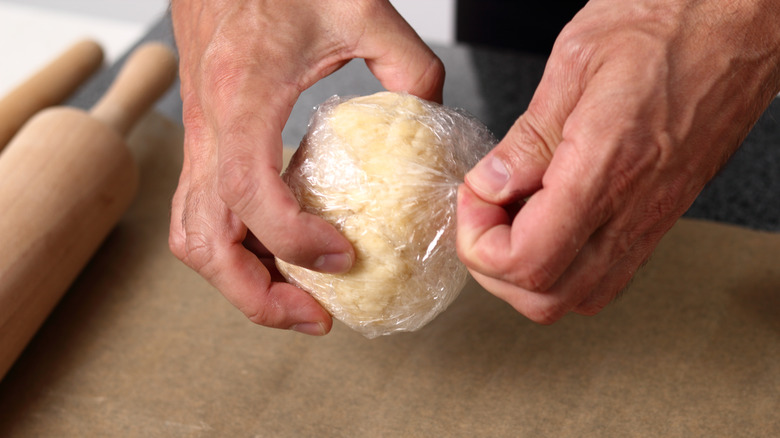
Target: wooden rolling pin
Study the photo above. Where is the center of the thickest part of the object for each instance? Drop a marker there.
(51, 85)
(67, 177)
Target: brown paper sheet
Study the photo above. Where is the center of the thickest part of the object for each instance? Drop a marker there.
(141, 346)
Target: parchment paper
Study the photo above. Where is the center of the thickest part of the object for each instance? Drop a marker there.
(142, 347)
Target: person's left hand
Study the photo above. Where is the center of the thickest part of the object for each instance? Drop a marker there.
(640, 104)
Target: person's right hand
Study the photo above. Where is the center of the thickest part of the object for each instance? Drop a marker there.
(243, 65)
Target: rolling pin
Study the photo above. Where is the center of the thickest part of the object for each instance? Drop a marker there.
(67, 178)
(49, 86)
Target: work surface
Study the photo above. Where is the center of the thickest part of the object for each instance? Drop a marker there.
(141, 346)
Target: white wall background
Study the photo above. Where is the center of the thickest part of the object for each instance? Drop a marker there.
(434, 20)
(32, 32)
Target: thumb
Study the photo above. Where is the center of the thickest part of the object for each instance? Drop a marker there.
(514, 169)
(399, 58)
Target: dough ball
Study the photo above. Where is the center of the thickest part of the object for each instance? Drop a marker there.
(384, 170)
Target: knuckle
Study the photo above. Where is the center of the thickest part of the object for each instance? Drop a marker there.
(176, 244)
(223, 67)
(603, 296)
(472, 255)
(472, 262)
(259, 315)
(664, 206)
(574, 46)
(268, 312)
(548, 313)
(199, 253)
(193, 118)
(572, 42)
(530, 276)
(431, 78)
(235, 185)
(534, 277)
(619, 242)
(268, 315)
(623, 178)
(527, 141)
(436, 68)
(539, 278)
(194, 245)
(593, 306)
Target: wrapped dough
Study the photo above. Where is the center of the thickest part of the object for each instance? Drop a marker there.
(384, 170)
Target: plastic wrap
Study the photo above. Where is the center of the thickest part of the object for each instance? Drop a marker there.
(384, 170)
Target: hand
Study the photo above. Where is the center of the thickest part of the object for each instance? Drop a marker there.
(243, 65)
(640, 104)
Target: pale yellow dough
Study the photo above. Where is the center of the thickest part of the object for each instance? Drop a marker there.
(377, 169)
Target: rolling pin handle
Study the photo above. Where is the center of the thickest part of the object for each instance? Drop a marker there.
(49, 86)
(155, 66)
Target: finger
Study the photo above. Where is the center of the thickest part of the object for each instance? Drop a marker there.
(214, 249)
(255, 192)
(208, 238)
(176, 235)
(550, 306)
(542, 239)
(600, 159)
(540, 307)
(247, 284)
(620, 274)
(485, 243)
(177, 238)
(513, 169)
(253, 245)
(249, 165)
(545, 236)
(613, 283)
(603, 177)
(483, 235)
(591, 282)
(398, 57)
(611, 257)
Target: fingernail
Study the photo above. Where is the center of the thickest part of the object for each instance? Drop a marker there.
(490, 175)
(310, 328)
(333, 263)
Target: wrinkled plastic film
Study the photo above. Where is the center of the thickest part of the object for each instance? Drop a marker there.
(384, 170)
